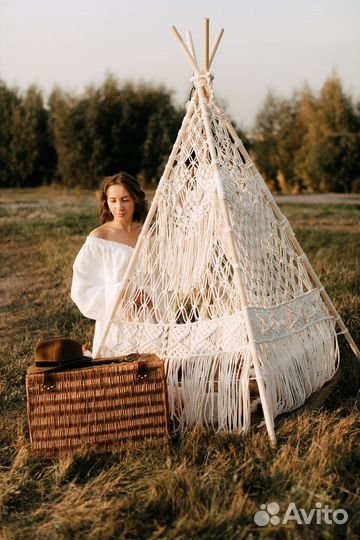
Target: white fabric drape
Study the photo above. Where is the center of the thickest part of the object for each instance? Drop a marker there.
(97, 273)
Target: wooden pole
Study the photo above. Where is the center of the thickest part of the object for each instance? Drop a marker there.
(216, 45)
(190, 45)
(206, 44)
(291, 236)
(186, 50)
(269, 420)
(146, 225)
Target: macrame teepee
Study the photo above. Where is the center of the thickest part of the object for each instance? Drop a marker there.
(234, 300)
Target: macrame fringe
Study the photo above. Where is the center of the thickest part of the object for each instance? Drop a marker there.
(215, 391)
(209, 391)
(297, 365)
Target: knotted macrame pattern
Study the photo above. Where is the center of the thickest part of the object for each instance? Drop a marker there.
(195, 320)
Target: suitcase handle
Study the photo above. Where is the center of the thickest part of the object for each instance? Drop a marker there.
(142, 371)
(49, 381)
(115, 360)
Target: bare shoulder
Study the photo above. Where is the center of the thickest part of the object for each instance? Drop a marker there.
(138, 230)
(99, 232)
(103, 231)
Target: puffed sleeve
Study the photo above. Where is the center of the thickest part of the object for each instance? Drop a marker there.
(93, 294)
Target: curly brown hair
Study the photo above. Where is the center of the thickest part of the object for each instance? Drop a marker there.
(133, 187)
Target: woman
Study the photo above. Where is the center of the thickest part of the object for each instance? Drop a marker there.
(102, 260)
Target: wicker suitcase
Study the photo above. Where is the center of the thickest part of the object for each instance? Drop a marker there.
(112, 402)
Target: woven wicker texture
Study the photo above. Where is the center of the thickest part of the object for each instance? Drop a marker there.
(106, 405)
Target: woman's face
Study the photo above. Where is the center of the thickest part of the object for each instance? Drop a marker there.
(120, 203)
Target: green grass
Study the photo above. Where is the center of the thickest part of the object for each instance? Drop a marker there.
(206, 485)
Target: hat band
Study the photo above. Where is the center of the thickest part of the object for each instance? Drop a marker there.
(57, 363)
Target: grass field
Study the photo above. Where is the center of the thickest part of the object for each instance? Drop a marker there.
(207, 485)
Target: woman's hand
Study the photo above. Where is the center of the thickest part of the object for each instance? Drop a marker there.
(141, 297)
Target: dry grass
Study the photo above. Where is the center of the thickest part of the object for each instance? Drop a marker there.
(208, 485)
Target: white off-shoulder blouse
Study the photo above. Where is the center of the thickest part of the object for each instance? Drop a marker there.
(98, 270)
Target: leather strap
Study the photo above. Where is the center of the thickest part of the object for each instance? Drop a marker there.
(49, 382)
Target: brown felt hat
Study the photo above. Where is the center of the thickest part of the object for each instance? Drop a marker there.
(58, 353)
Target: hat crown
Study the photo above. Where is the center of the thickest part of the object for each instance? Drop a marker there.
(57, 350)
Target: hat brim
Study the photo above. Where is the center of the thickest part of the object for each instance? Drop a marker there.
(83, 361)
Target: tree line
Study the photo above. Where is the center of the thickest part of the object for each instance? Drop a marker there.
(308, 142)
(305, 143)
(76, 140)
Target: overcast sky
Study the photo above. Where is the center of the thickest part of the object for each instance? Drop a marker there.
(277, 44)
